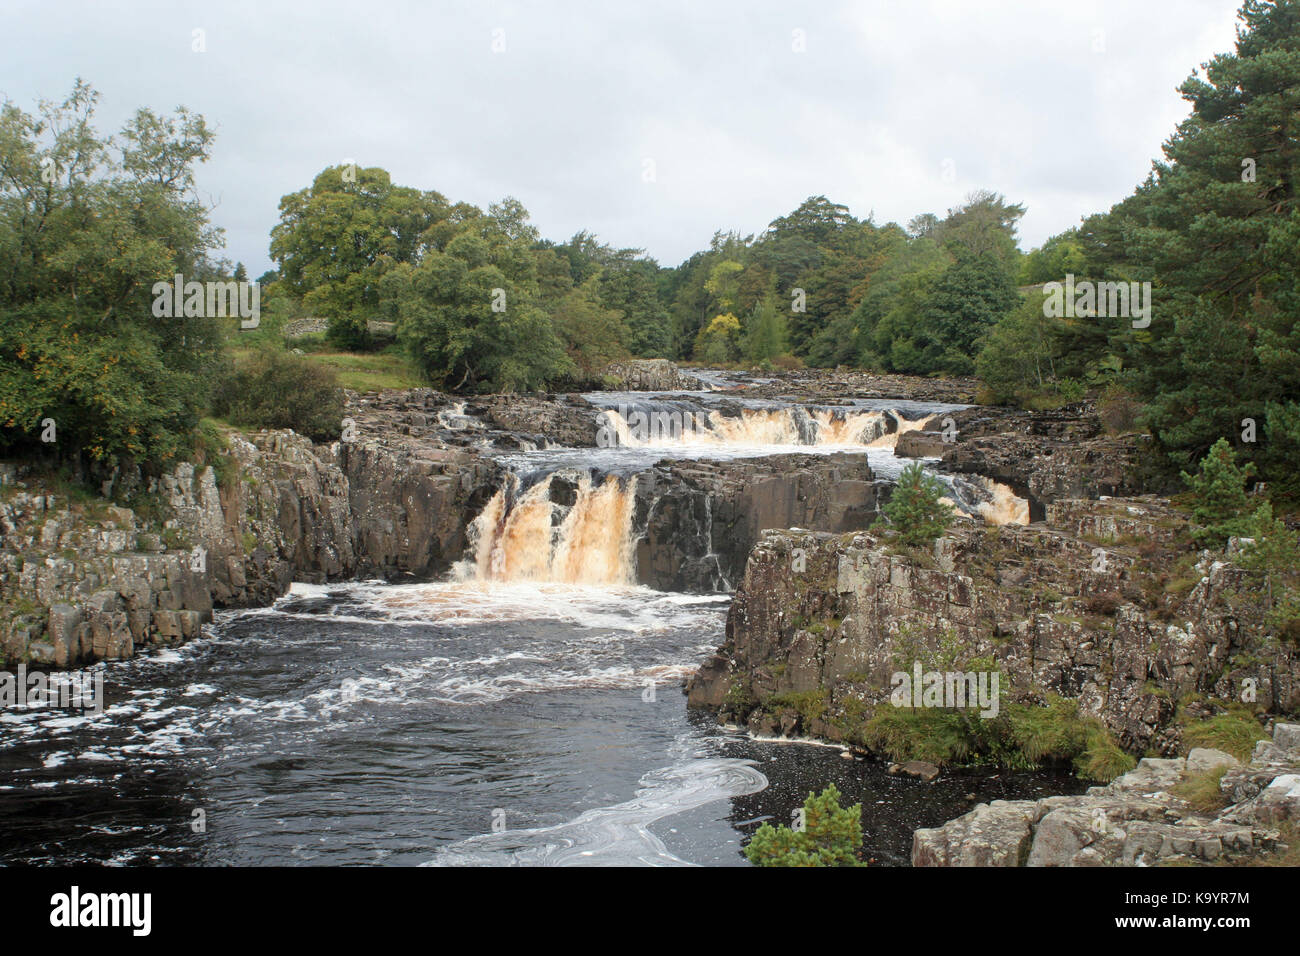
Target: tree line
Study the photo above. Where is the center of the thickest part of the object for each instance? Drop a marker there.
(481, 302)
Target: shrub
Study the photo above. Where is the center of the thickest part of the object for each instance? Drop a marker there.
(1023, 737)
(1118, 410)
(212, 448)
(350, 333)
(932, 734)
(1102, 759)
(276, 389)
(1104, 603)
(831, 836)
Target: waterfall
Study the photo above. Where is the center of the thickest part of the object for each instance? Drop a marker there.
(995, 502)
(562, 523)
(529, 537)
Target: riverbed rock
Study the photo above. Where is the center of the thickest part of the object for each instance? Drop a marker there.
(697, 521)
(1201, 759)
(1137, 820)
(648, 375)
(920, 769)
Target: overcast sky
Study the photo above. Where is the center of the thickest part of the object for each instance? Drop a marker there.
(893, 107)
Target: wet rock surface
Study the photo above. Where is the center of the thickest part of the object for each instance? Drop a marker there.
(698, 520)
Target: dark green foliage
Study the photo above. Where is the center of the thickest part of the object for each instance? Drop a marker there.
(915, 509)
(593, 335)
(337, 239)
(277, 389)
(831, 836)
(1021, 736)
(1273, 557)
(469, 317)
(87, 227)
(766, 332)
(966, 301)
(1216, 229)
(1220, 507)
(629, 288)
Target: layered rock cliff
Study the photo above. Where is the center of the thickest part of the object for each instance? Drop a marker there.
(1104, 603)
(697, 521)
(82, 579)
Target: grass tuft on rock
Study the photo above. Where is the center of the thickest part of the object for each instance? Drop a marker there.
(1022, 737)
(1234, 731)
(1201, 790)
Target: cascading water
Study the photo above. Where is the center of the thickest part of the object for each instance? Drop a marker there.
(524, 534)
(995, 502)
(517, 538)
(796, 426)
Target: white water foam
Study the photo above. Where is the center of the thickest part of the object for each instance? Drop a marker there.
(618, 835)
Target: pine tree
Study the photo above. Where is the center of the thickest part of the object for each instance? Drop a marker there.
(916, 509)
(1220, 507)
(1273, 552)
(831, 836)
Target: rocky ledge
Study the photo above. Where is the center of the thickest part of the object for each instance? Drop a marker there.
(696, 521)
(1142, 818)
(1042, 456)
(820, 386)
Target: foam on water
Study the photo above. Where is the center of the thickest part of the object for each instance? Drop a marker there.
(617, 835)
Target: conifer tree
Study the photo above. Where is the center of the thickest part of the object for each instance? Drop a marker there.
(1218, 490)
(831, 835)
(916, 508)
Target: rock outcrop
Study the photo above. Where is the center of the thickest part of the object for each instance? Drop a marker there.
(82, 581)
(648, 375)
(1103, 603)
(696, 521)
(1139, 819)
(1044, 456)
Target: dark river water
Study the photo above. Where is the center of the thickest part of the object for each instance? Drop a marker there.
(436, 724)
